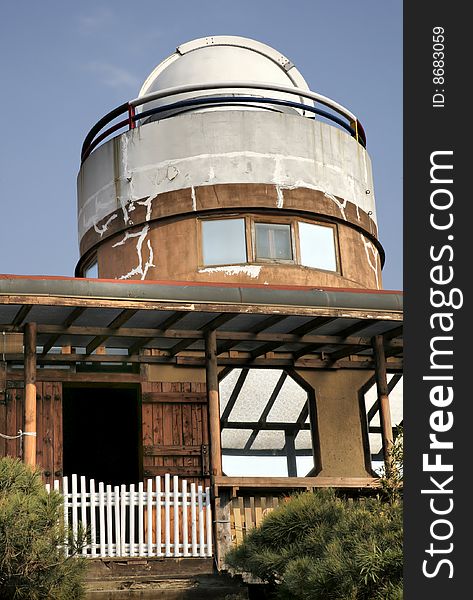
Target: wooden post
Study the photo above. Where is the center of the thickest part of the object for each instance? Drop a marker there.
(211, 373)
(291, 454)
(383, 400)
(29, 440)
(223, 532)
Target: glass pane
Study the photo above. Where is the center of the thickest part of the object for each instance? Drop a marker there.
(273, 241)
(92, 271)
(317, 246)
(224, 242)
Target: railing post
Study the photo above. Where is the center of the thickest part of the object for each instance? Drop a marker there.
(131, 114)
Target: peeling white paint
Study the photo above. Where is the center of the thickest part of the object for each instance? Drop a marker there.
(211, 174)
(341, 205)
(248, 147)
(194, 200)
(141, 269)
(371, 253)
(280, 202)
(357, 212)
(250, 270)
(172, 172)
(103, 229)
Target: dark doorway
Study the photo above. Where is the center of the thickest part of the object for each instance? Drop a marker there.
(101, 433)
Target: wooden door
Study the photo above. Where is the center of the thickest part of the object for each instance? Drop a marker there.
(49, 442)
(175, 430)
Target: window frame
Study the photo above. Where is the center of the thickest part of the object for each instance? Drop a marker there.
(250, 222)
(333, 226)
(200, 253)
(273, 221)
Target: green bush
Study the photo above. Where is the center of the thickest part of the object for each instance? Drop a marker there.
(323, 546)
(32, 560)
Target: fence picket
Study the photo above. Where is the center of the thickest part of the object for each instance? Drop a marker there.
(116, 502)
(65, 491)
(159, 547)
(83, 509)
(123, 520)
(132, 519)
(102, 518)
(149, 517)
(141, 547)
(185, 531)
(201, 521)
(193, 521)
(167, 515)
(175, 500)
(109, 522)
(93, 528)
(208, 519)
(129, 522)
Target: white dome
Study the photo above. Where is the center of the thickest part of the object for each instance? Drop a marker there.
(225, 58)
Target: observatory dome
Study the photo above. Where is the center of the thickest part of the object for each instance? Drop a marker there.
(225, 58)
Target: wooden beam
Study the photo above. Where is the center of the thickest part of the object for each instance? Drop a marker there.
(166, 324)
(291, 453)
(267, 408)
(119, 320)
(289, 483)
(375, 407)
(233, 396)
(357, 327)
(29, 439)
(313, 324)
(258, 328)
(344, 352)
(383, 400)
(21, 315)
(75, 314)
(213, 324)
(211, 375)
(268, 426)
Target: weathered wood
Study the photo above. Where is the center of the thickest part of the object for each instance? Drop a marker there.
(291, 453)
(185, 334)
(21, 314)
(152, 471)
(174, 397)
(75, 314)
(223, 533)
(29, 440)
(383, 400)
(211, 373)
(122, 303)
(177, 450)
(289, 483)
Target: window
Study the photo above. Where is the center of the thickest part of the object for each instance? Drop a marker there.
(317, 246)
(92, 270)
(273, 241)
(223, 242)
(245, 240)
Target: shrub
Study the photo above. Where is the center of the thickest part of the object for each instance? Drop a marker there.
(323, 546)
(32, 560)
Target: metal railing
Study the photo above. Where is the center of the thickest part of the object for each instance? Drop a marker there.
(339, 114)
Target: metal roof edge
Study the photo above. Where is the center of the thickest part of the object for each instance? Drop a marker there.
(258, 294)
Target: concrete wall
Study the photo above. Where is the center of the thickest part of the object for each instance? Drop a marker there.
(343, 444)
(198, 149)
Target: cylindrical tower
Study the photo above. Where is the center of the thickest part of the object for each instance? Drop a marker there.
(230, 171)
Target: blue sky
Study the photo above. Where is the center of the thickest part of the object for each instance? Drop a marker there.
(65, 64)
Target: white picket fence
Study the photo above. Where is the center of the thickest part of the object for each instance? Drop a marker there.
(171, 520)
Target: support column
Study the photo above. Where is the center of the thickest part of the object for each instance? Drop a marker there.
(29, 440)
(211, 373)
(383, 399)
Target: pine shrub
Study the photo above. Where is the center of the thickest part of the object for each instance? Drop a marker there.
(324, 546)
(32, 561)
